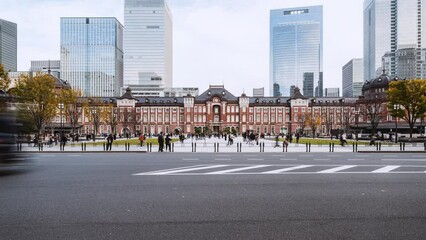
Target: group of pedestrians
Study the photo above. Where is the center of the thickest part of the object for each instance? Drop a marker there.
(167, 140)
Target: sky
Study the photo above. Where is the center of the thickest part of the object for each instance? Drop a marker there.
(214, 41)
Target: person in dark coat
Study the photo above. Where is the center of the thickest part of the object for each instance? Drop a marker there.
(168, 143)
(110, 139)
(160, 142)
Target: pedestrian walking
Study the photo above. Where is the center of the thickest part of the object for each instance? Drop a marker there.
(168, 141)
(276, 141)
(110, 140)
(63, 141)
(141, 139)
(160, 142)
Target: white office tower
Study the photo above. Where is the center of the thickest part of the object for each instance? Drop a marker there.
(352, 78)
(148, 47)
(394, 38)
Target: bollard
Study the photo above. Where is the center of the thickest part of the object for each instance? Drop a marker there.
(195, 147)
(310, 147)
(192, 147)
(403, 146)
(103, 144)
(260, 147)
(217, 147)
(173, 147)
(380, 146)
(329, 147)
(306, 147)
(353, 147)
(332, 146)
(85, 145)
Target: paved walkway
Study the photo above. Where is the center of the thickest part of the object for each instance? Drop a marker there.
(220, 145)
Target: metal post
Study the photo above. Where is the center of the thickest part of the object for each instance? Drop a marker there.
(332, 146)
(173, 147)
(195, 147)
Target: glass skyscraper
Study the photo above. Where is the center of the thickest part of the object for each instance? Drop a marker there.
(8, 45)
(394, 38)
(352, 78)
(92, 55)
(296, 50)
(148, 46)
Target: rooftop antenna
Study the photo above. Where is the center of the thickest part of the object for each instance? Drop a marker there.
(48, 70)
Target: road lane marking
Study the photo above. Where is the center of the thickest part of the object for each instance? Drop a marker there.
(190, 169)
(222, 155)
(356, 159)
(322, 159)
(281, 169)
(406, 160)
(287, 169)
(336, 169)
(385, 169)
(288, 159)
(238, 169)
(255, 159)
(154, 172)
(73, 155)
(190, 159)
(222, 159)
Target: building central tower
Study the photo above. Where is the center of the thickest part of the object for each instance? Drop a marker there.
(296, 43)
(148, 47)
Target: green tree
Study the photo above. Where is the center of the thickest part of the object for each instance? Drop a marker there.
(410, 95)
(4, 79)
(312, 120)
(38, 99)
(72, 105)
(94, 109)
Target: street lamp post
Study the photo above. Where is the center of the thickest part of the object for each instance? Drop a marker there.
(396, 107)
(313, 100)
(342, 102)
(356, 121)
(61, 137)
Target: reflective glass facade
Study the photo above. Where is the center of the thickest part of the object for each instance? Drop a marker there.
(8, 45)
(296, 47)
(352, 78)
(92, 55)
(393, 30)
(148, 44)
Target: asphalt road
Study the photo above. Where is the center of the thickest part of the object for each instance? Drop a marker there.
(215, 196)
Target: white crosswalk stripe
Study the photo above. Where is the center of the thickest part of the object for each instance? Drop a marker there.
(238, 169)
(287, 169)
(385, 169)
(336, 169)
(283, 169)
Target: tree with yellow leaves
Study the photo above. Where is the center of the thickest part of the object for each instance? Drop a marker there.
(410, 95)
(38, 99)
(4, 79)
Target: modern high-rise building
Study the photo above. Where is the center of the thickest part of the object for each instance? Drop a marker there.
(332, 92)
(394, 38)
(352, 78)
(148, 46)
(258, 92)
(51, 66)
(92, 55)
(296, 49)
(8, 45)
